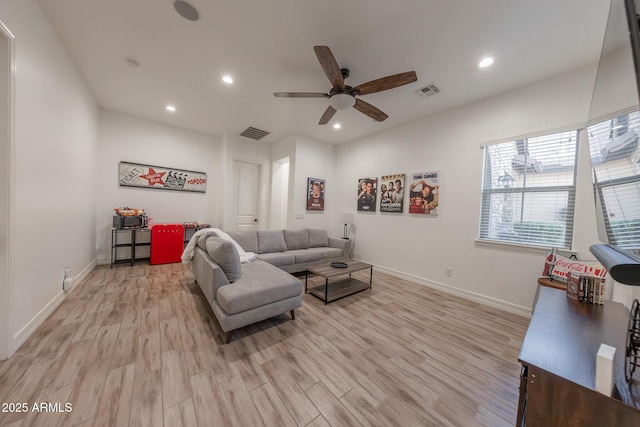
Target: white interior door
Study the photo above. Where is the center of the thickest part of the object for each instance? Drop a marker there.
(247, 185)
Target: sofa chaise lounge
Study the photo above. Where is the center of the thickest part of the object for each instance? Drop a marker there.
(244, 293)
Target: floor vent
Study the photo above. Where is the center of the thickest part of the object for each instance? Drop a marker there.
(429, 90)
(254, 133)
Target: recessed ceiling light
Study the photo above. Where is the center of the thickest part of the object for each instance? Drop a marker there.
(485, 62)
(337, 126)
(227, 79)
(170, 108)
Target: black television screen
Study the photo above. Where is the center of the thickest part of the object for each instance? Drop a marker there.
(619, 67)
(634, 38)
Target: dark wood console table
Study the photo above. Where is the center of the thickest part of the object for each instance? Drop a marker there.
(546, 281)
(558, 357)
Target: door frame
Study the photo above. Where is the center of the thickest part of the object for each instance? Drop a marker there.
(279, 212)
(7, 147)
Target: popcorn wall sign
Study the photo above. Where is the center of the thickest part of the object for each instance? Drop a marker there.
(161, 178)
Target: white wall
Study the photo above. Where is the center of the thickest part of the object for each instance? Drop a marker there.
(613, 91)
(279, 194)
(55, 168)
(315, 159)
(310, 158)
(127, 138)
(422, 248)
(6, 181)
(281, 150)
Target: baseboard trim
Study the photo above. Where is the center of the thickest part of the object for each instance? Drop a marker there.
(30, 328)
(84, 273)
(472, 296)
(33, 324)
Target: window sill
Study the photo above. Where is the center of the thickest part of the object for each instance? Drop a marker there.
(515, 247)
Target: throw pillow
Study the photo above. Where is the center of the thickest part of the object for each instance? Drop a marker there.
(202, 240)
(318, 238)
(225, 254)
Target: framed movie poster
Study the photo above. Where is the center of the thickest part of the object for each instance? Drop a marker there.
(391, 193)
(367, 188)
(424, 193)
(315, 194)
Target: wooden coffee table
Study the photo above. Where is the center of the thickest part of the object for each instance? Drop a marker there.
(340, 285)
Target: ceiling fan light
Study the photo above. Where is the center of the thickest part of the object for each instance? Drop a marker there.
(486, 62)
(342, 101)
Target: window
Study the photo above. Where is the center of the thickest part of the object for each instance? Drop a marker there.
(615, 158)
(528, 190)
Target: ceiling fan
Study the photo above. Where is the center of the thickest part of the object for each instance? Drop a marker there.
(343, 97)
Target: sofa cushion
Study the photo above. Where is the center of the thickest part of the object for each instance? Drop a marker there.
(271, 241)
(326, 253)
(318, 238)
(278, 258)
(261, 284)
(306, 255)
(225, 254)
(296, 239)
(247, 239)
(331, 253)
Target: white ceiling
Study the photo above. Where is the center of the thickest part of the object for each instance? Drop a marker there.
(267, 46)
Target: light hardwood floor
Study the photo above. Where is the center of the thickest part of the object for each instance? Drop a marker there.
(138, 346)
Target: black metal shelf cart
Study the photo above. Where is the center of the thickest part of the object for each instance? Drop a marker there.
(138, 237)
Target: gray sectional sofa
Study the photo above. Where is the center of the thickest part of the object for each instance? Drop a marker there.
(292, 250)
(244, 293)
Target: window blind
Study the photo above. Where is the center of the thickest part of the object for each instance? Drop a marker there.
(615, 157)
(528, 190)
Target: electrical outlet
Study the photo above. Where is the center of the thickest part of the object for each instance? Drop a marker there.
(67, 280)
(448, 272)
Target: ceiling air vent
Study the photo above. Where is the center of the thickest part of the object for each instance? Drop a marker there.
(429, 90)
(254, 133)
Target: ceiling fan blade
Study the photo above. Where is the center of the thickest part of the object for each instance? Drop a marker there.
(328, 114)
(300, 95)
(330, 66)
(370, 110)
(386, 83)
